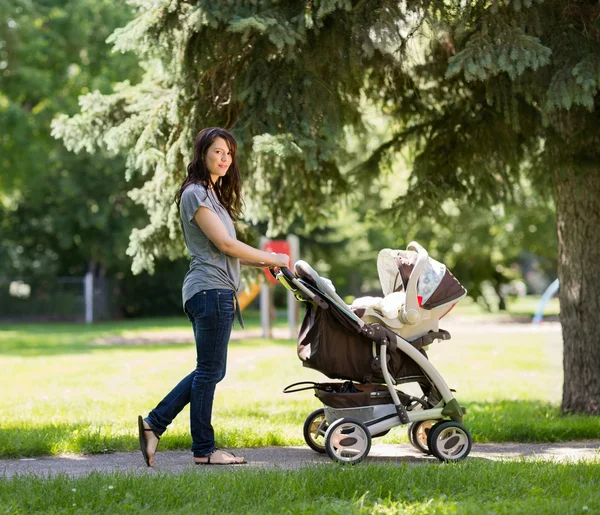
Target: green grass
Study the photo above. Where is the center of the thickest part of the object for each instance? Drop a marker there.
(519, 308)
(472, 487)
(62, 394)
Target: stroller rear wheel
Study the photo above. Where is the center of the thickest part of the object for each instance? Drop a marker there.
(449, 441)
(314, 430)
(347, 441)
(417, 435)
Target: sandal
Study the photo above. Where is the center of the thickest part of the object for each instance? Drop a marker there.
(220, 457)
(148, 456)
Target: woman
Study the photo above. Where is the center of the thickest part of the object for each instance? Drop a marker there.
(209, 202)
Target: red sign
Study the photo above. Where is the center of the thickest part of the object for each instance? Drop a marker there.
(279, 247)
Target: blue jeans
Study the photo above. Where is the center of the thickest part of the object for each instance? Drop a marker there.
(211, 313)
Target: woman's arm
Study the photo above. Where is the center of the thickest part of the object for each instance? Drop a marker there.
(252, 263)
(215, 231)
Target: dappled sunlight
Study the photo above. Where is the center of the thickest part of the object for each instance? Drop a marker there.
(88, 400)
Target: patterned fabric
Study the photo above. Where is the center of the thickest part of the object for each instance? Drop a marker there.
(430, 279)
(436, 286)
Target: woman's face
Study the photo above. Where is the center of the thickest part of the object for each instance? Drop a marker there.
(218, 158)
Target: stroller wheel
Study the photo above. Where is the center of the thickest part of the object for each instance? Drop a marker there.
(417, 435)
(449, 441)
(347, 441)
(314, 430)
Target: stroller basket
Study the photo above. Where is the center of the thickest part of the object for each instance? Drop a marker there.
(346, 395)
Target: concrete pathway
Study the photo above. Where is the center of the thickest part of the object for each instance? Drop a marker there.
(287, 458)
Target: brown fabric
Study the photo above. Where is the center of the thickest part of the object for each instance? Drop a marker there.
(358, 311)
(336, 350)
(447, 291)
(328, 394)
(405, 261)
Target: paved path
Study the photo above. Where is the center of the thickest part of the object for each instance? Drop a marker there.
(287, 458)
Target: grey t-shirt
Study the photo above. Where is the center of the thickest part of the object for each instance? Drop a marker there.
(210, 268)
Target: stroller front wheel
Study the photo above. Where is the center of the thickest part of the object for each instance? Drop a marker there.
(314, 430)
(449, 441)
(347, 441)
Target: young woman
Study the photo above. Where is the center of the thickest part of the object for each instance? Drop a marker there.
(209, 203)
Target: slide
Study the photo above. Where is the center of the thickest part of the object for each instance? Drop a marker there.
(248, 295)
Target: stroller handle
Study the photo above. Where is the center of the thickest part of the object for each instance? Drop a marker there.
(286, 272)
(410, 312)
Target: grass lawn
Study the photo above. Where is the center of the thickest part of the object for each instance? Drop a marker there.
(517, 307)
(62, 394)
(472, 487)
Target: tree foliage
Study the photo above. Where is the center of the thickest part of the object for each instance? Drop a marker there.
(286, 77)
(505, 98)
(489, 95)
(58, 210)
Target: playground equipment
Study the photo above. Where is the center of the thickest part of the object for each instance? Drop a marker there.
(548, 294)
(248, 295)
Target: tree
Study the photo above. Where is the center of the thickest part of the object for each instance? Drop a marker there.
(59, 213)
(499, 92)
(510, 92)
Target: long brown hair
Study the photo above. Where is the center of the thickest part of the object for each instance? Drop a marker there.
(228, 187)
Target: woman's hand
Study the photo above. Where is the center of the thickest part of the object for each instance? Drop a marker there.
(281, 260)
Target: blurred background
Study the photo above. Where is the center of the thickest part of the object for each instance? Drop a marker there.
(66, 215)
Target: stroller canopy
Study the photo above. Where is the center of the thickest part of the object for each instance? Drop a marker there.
(436, 285)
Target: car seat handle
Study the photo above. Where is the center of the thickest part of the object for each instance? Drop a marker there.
(410, 312)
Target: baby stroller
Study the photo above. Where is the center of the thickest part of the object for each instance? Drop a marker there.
(375, 354)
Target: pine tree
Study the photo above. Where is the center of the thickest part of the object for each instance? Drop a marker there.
(487, 93)
(509, 93)
(285, 77)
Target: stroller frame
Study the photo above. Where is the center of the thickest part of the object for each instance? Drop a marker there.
(430, 431)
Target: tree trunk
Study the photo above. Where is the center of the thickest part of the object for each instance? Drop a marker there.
(578, 224)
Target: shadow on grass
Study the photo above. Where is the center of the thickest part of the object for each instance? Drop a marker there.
(55, 439)
(97, 327)
(525, 318)
(527, 421)
(71, 344)
(503, 421)
(26, 347)
(48, 339)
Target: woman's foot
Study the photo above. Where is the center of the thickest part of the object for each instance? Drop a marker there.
(148, 441)
(220, 457)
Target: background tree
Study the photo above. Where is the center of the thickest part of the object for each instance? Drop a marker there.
(487, 248)
(500, 91)
(63, 214)
(58, 210)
